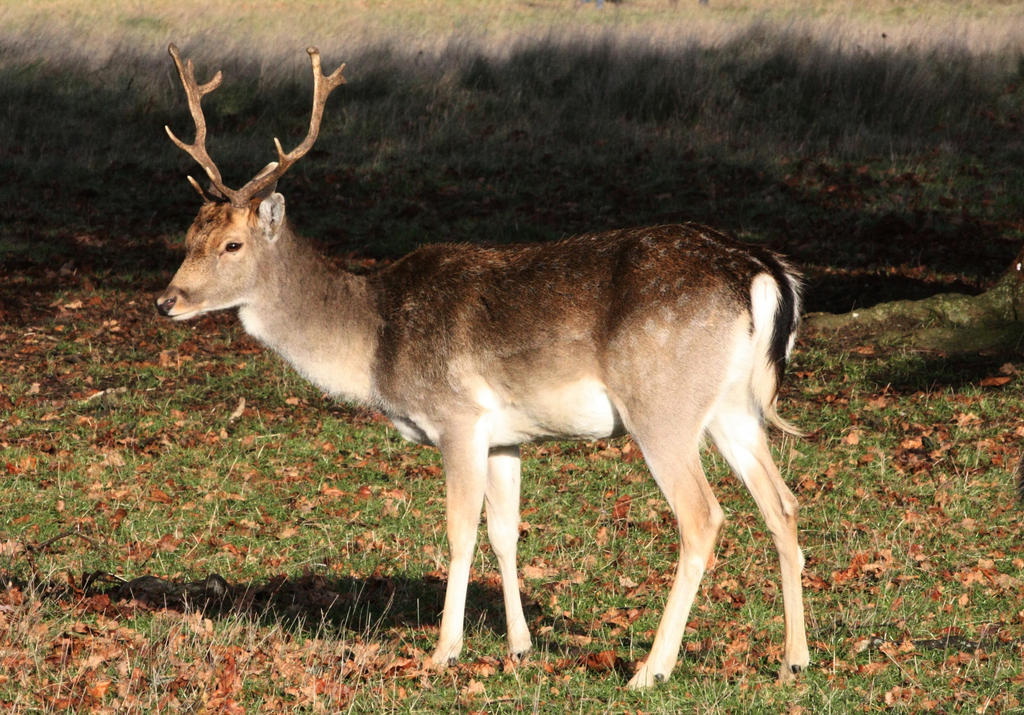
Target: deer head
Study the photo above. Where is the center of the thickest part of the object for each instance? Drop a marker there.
(235, 228)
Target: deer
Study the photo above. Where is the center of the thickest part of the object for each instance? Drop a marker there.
(672, 334)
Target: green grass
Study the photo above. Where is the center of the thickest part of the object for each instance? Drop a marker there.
(914, 567)
(886, 167)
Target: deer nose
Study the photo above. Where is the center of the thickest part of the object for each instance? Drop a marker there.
(165, 305)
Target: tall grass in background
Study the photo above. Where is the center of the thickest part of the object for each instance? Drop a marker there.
(811, 85)
(461, 122)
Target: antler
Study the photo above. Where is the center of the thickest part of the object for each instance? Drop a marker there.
(197, 149)
(323, 85)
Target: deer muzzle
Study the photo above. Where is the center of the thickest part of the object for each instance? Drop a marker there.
(169, 300)
(164, 306)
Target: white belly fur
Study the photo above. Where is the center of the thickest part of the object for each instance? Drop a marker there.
(579, 410)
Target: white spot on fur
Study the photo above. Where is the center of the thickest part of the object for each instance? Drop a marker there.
(486, 398)
(251, 322)
(659, 332)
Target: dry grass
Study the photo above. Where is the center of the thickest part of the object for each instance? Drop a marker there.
(269, 31)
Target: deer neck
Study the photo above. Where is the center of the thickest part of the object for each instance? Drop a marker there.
(323, 322)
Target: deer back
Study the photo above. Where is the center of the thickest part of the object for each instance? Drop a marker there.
(525, 324)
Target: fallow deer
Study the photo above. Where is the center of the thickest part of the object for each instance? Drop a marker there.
(670, 334)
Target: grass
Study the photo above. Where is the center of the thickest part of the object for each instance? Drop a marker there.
(886, 167)
(329, 530)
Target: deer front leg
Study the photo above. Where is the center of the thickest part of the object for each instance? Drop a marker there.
(465, 466)
(502, 500)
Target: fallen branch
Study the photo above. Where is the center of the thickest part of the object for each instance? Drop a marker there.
(36, 548)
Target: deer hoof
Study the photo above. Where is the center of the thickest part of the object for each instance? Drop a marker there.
(519, 657)
(789, 671)
(644, 678)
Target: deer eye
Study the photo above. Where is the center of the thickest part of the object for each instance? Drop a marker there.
(232, 247)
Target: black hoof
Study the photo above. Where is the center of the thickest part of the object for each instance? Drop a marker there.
(451, 662)
(659, 678)
(794, 669)
(519, 657)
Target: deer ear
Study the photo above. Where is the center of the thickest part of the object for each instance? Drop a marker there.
(272, 216)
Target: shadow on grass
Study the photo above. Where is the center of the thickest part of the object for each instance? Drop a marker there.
(791, 140)
(317, 605)
(310, 601)
(909, 373)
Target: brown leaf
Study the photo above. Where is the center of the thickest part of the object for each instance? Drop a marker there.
(531, 571)
(228, 680)
(158, 495)
(579, 639)
(473, 689)
(405, 665)
(995, 381)
(484, 668)
(98, 689)
(620, 511)
(911, 443)
(630, 452)
(167, 542)
(117, 517)
(874, 668)
(601, 662)
(331, 492)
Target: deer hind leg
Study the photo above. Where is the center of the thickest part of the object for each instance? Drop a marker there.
(502, 503)
(678, 472)
(740, 438)
(465, 466)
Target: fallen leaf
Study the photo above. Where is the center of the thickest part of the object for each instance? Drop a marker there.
(620, 511)
(601, 662)
(98, 689)
(531, 571)
(473, 689)
(995, 381)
